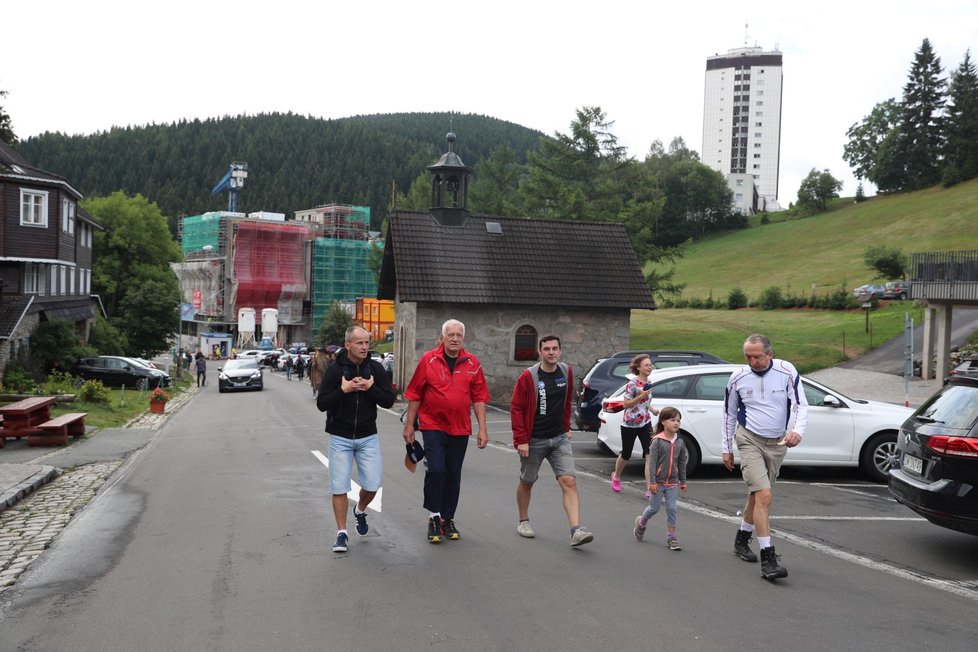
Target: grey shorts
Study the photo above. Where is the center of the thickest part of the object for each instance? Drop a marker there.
(760, 458)
(556, 450)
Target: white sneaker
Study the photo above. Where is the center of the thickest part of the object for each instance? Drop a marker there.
(580, 537)
(524, 530)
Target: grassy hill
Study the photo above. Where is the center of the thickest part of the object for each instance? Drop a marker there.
(824, 252)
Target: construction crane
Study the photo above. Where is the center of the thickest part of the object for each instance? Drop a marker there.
(233, 181)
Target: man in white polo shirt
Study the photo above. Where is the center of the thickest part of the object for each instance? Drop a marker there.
(765, 414)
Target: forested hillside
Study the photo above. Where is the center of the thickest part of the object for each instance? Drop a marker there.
(294, 162)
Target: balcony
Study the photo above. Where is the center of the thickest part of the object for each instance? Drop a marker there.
(945, 276)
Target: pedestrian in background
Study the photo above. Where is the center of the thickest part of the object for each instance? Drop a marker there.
(201, 367)
(317, 367)
(300, 366)
(766, 413)
(350, 393)
(447, 385)
(637, 419)
(665, 467)
(287, 365)
(540, 413)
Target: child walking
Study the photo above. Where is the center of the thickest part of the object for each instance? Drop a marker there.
(666, 469)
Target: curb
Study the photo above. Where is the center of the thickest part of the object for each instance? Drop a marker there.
(42, 475)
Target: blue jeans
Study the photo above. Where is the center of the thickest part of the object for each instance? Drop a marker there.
(671, 495)
(443, 479)
(343, 452)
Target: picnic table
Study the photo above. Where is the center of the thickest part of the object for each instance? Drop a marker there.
(31, 418)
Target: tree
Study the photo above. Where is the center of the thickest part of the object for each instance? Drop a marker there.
(132, 270)
(817, 188)
(861, 152)
(7, 134)
(418, 196)
(335, 323)
(496, 186)
(921, 126)
(887, 262)
(55, 346)
(961, 123)
(860, 193)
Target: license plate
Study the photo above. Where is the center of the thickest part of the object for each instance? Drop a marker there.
(913, 464)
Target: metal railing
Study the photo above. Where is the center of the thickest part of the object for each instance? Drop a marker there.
(944, 276)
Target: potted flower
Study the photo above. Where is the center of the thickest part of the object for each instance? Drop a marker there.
(157, 400)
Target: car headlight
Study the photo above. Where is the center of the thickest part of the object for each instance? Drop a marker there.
(222, 376)
(256, 375)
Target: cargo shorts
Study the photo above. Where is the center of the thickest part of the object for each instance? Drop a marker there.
(760, 458)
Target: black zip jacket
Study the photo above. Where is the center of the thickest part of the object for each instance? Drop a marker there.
(353, 415)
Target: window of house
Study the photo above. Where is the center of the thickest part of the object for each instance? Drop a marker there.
(740, 183)
(33, 207)
(525, 344)
(67, 216)
(33, 279)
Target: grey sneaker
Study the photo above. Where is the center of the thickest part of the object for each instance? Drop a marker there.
(580, 537)
(639, 530)
(524, 530)
(673, 543)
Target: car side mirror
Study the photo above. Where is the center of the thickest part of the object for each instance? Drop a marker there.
(831, 401)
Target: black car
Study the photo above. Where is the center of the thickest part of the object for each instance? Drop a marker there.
(240, 374)
(936, 470)
(608, 374)
(118, 371)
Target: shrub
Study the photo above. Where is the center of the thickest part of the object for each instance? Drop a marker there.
(765, 219)
(736, 299)
(58, 382)
(771, 298)
(93, 391)
(18, 380)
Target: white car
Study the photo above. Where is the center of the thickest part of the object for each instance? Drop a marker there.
(841, 431)
(250, 354)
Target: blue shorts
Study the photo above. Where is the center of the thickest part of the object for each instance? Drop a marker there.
(342, 452)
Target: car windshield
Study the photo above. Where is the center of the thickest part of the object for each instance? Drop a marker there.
(232, 365)
(136, 363)
(956, 406)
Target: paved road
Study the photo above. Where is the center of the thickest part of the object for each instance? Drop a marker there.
(216, 536)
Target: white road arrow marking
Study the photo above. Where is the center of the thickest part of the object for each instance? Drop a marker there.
(354, 493)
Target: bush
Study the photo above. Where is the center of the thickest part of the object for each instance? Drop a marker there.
(93, 391)
(736, 299)
(18, 380)
(58, 382)
(771, 298)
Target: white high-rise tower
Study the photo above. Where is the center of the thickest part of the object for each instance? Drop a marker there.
(742, 124)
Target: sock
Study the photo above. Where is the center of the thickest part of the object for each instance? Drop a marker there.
(524, 520)
(434, 514)
(357, 511)
(764, 542)
(642, 520)
(671, 533)
(746, 527)
(343, 531)
(575, 529)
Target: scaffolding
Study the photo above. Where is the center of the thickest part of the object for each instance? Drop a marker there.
(269, 267)
(338, 221)
(340, 272)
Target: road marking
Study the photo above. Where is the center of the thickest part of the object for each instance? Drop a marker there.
(354, 493)
(849, 518)
(955, 587)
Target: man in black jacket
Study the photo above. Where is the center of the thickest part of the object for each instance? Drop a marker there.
(349, 394)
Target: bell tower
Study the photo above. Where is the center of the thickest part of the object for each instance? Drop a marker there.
(450, 187)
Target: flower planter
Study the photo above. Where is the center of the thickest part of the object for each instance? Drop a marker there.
(156, 407)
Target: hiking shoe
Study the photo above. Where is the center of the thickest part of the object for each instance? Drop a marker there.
(449, 530)
(673, 543)
(639, 530)
(340, 544)
(742, 546)
(580, 537)
(615, 483)
(524, 530)
(362, 527)
(770, 567)
(434, 530)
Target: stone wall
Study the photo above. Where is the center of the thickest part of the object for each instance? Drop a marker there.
(585, 335)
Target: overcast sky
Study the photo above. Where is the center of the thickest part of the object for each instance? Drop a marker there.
(82, 67)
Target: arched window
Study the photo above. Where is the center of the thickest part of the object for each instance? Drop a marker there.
(525, 344)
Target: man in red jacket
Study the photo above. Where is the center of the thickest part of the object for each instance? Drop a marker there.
(447, 385)
(540, 415)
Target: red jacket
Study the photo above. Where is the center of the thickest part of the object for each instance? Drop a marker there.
(446, 399)
(523, 406)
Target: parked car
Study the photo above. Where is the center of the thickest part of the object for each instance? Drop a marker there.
(841, 431)
(118, 371)
(936, 470)
(867, 292)
(240, 374)
(896, 290)
(249, 354)
(146, 363)
(607, 374)
(967, 369)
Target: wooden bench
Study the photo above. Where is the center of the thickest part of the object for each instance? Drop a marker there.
(56, 431)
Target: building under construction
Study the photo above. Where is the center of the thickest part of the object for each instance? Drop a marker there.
(239, 266)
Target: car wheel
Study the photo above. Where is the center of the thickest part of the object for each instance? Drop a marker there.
(693, 450)
(141, 384)
(877, 456)
(77, 382)
(903, 296)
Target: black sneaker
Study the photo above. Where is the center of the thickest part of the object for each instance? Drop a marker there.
(434, 530)
(770, 567)
(341, 542)
(362, 527)
(742, 546)
(449, 529)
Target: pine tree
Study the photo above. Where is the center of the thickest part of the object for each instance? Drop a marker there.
(860, 193)
(924, 97)
(961, 123)
(7, 134)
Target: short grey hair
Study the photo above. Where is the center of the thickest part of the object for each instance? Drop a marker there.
(353, 329)
(759, 339)
(452, 322)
